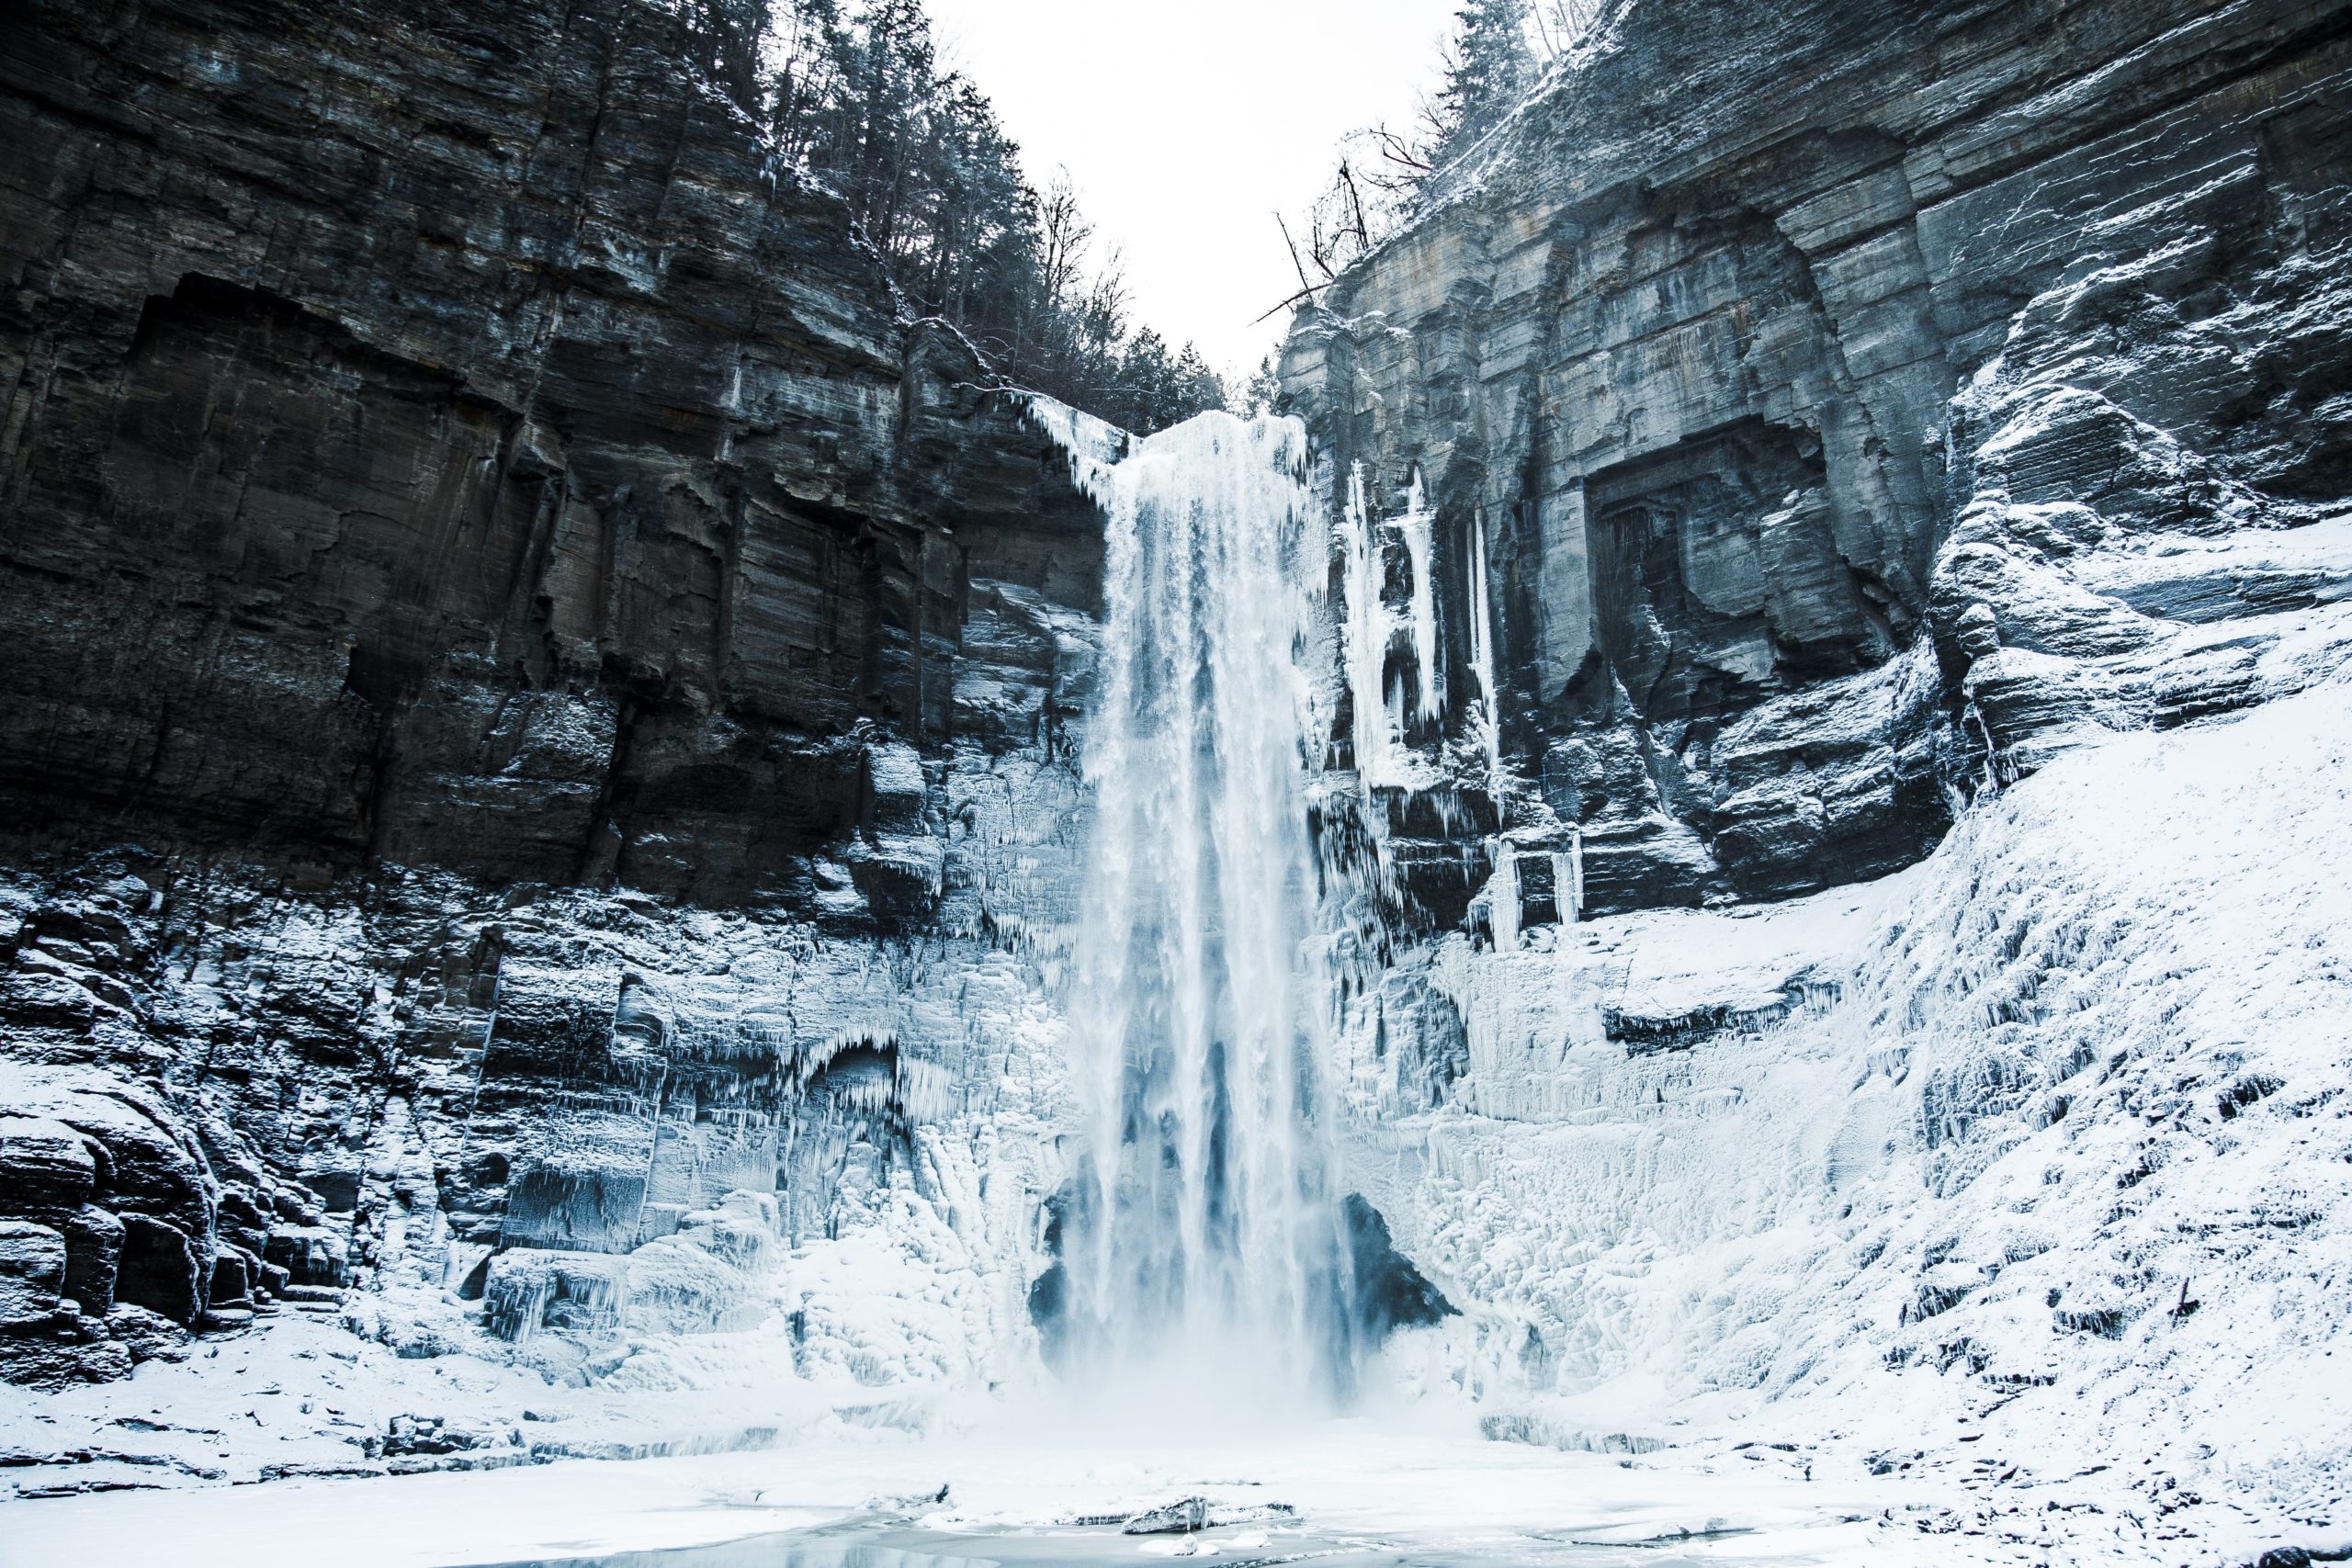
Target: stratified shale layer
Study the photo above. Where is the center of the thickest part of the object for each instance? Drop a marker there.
(437, 435)
(1860, 401)
(443, 453)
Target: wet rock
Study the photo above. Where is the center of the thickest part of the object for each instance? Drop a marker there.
(1181, 1518)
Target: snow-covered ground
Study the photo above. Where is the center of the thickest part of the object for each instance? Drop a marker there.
(1366, 1485)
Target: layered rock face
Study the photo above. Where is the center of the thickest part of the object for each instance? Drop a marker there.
(441, 438)
(1855, 403)
(1818, 424)
(448, 464)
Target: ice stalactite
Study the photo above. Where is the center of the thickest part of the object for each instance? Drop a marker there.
(1567, 877)
(1365, 638)
(1502, 894)
(1482, 658)
(1205, 1235)
(1419, 528)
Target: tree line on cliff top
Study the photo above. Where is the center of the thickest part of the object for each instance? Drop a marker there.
(1495, 55)
(857, 95)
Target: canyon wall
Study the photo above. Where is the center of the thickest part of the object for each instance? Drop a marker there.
(536, 696)
(1855, 401)
(1852, 433)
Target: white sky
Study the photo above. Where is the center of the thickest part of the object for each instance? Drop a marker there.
(1186, 124)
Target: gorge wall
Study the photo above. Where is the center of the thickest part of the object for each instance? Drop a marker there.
(1855, 401)
(527, 674)
(1820, 425)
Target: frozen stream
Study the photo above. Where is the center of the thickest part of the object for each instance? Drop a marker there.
(1357, 1491)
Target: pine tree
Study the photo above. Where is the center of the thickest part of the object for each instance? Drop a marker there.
(853, 91)
(1489, 67)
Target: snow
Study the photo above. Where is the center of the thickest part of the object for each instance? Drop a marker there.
(1009, 1486)
(2040, 1145)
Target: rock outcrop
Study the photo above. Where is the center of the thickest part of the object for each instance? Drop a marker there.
(469, 516)
(1855, 402)
(439, 437)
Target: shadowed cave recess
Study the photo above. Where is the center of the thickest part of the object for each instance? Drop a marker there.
(1721, 828)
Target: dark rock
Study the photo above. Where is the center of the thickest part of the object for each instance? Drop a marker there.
(583, 486)
(1181, 1518)
(160, 1269)
(1389, 1293)
(1809, 373)
(32, 1274)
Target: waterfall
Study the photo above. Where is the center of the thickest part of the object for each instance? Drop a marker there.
(1203, 1237)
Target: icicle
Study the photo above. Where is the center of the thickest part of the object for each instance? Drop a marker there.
(1366, 637)
(1482, 659)
(1502, 899)
(1417, 527)
(1569, 878)
(1092, 445)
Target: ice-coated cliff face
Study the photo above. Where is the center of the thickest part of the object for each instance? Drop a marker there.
(1850, 434)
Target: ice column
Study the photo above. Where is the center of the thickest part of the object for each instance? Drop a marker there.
(1502, 898)
(1203, 1242)
(1482, 657)
(1417, 527)
(1567, 878)
(1366, 637)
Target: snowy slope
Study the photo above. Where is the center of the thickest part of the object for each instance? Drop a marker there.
(2026, 1162)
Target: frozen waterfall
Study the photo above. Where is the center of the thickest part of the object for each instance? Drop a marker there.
(1203, 1237)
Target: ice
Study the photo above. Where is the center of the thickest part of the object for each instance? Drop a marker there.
(1416, 527)
(1482, 658)
(1364, 643)
(1093, 446)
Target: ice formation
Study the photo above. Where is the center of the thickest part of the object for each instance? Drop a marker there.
(1418, 528)
(1482, 657)
(1364, 635)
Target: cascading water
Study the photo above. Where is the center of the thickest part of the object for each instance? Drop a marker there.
(1206, 1232)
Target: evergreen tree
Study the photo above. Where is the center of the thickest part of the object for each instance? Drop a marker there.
(1489, 67)
(852, 92)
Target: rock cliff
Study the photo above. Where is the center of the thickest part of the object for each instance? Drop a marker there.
(1857, 402)
(448, 466)
(438, 438)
